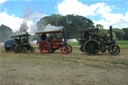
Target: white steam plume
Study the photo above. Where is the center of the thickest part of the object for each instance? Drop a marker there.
(50, 27)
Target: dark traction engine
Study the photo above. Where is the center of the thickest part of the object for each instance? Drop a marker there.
(22, 43)
(92, 43)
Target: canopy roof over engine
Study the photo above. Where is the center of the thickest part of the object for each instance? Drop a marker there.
(22, 35)
(48, 32)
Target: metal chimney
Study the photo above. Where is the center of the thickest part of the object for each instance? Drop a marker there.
(111, 36)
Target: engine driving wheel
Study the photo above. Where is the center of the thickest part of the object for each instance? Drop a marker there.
(91, 47)
(44, 47)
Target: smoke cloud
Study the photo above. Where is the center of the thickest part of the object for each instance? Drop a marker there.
(31, 26)
(50, 27)
(29, 21)
(43, 26)
(27, 14)
(23, 27)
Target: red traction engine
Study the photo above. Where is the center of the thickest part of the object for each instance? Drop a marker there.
(50, 45)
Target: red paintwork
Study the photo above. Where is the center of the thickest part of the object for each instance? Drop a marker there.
(44, 47)
(56, 44)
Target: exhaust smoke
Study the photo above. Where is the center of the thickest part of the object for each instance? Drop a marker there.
(24, 26)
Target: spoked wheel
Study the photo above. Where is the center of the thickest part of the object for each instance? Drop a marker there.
(114, 49)
(44, 47)
(66, 49)
(91, 47)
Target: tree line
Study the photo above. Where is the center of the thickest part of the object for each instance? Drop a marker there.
(72, 24)
(118, 34)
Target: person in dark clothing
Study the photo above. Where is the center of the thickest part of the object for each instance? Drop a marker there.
(43, 37)
(86, 35)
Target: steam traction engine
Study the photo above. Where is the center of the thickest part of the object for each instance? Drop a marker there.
(92, 43)
(22, 43)
(50, 45)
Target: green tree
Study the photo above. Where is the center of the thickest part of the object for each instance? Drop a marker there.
(119, 33)
(99, 26)
(72, 23)
(125, 36)
(5, 33)
(102, 32)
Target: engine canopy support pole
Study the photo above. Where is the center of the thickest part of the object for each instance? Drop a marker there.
(111, 36)
(64, 34)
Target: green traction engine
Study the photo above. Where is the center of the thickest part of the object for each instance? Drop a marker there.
(92, 43)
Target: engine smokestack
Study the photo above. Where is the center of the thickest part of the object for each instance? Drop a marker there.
(111, 36)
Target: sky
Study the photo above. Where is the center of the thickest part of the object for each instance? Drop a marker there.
(105, 12)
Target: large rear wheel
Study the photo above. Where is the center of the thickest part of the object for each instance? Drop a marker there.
(44, 47)
(91, 47)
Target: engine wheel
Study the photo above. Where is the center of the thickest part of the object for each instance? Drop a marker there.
(44, 47)
(114, 49)
(66, 49)
(91, 47)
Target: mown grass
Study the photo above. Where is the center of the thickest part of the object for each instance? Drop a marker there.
(55, 68)
(122, 42)
(74, 59)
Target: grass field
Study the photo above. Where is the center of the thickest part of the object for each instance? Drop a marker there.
(76, 68)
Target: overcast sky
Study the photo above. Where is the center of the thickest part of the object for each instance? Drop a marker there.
(105, 12)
